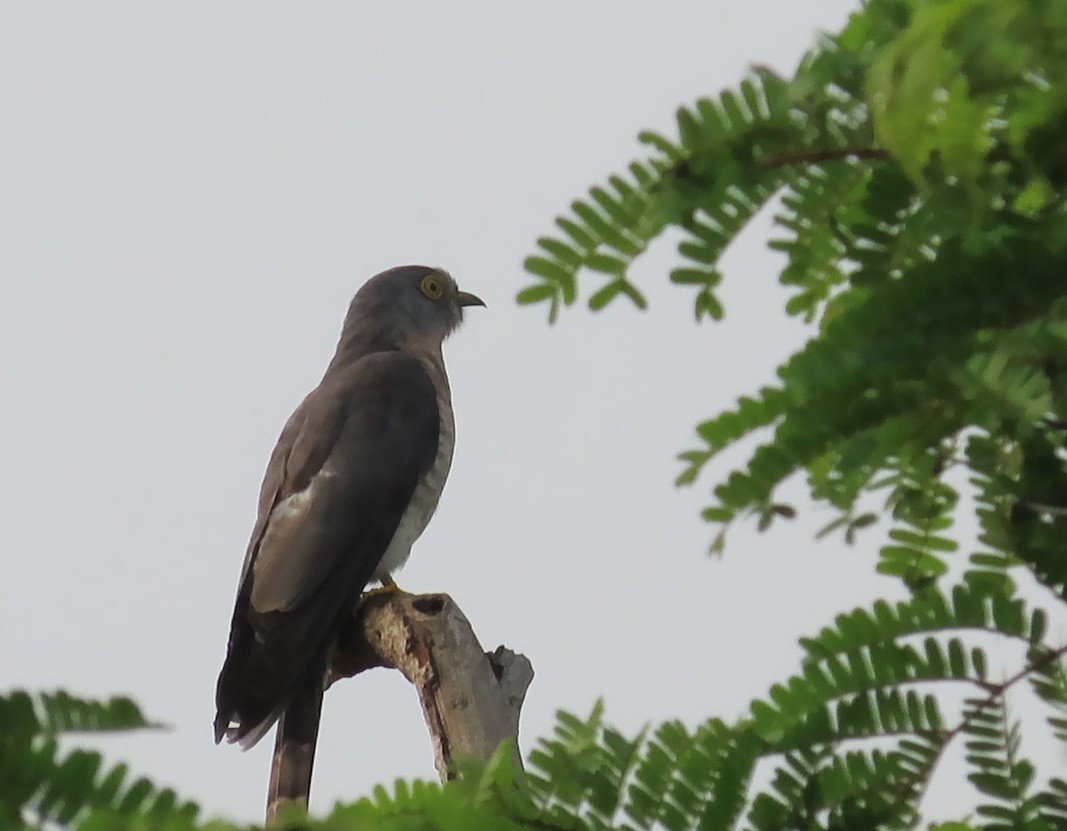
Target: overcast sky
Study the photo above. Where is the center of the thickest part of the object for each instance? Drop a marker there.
(189, 196)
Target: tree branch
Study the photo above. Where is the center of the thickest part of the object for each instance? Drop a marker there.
(818, 156)
(470, 699)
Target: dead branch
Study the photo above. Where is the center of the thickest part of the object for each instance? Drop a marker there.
(470, 699)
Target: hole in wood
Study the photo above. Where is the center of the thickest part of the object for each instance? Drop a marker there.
(429, 604)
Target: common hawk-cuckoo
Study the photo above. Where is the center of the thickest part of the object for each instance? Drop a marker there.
(351, 484)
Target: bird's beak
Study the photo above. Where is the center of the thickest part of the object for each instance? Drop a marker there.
(468, 299)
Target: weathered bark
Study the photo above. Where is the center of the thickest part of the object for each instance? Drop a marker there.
(470, 699)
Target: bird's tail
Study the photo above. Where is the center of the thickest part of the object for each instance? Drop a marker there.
(294, 752)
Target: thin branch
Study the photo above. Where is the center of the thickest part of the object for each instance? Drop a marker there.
(1043, 508)
(818, 156)
(919, 784)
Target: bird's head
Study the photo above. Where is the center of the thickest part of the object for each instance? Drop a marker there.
(409, 303)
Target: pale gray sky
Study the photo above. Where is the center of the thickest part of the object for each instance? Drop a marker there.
(189, 196)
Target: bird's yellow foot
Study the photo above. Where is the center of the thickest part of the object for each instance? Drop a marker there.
(388, 586)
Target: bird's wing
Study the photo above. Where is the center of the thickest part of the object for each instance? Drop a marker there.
(365, 441)
(344, 471)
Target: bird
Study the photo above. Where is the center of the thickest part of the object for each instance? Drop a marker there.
(352, 482)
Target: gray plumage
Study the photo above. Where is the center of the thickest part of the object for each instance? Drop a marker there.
(352, 482)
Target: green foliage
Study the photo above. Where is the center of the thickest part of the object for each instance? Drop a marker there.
(917, 169)
(929, 244)
(41, 785)
(851, 742)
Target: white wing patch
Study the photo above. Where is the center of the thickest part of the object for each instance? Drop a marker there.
(274, 572)
(297, 504)
(289, 509)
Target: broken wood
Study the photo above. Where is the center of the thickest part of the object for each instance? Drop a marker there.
(470, 699)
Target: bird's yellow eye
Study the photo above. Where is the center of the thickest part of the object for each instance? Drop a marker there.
(431, 287)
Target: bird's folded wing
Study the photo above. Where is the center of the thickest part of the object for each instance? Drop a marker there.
(337, 486)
